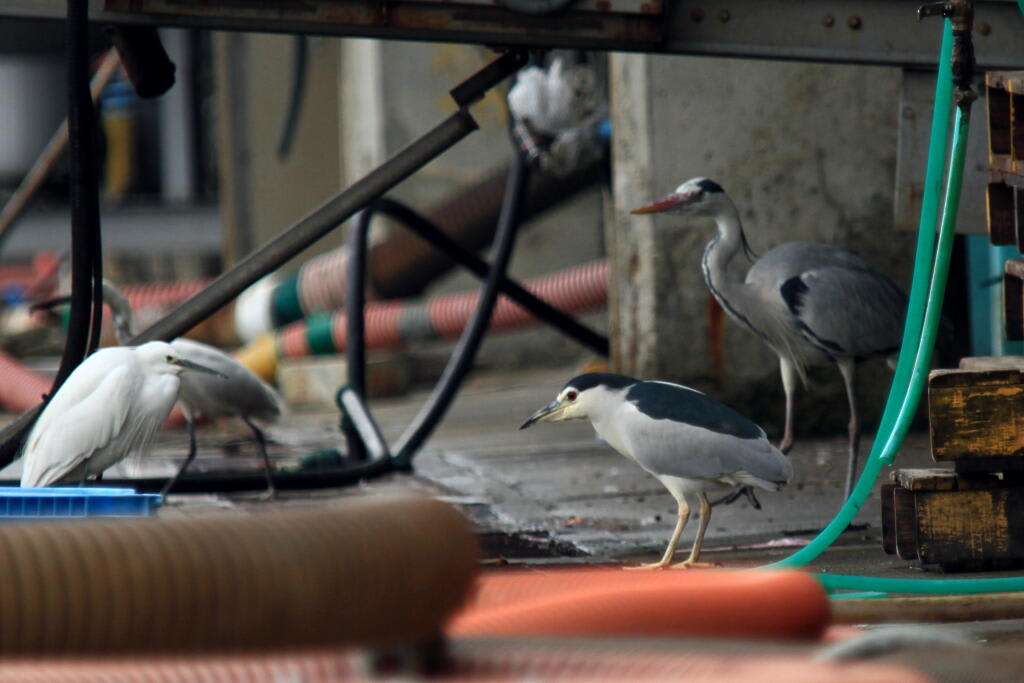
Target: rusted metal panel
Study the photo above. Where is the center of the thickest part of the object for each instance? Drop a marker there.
(976, 414)
(599, 23)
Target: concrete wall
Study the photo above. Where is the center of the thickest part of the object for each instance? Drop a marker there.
(807, 152)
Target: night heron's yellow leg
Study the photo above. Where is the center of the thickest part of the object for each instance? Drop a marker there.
(666, 559)
(705, 516)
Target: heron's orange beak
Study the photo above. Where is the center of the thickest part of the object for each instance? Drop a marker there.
(663, 204)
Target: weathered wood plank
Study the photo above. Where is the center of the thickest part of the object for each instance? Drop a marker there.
(976, 414)
(957, 528)
(887, 492)
(930, 479)
(980, 363)
(905, 514)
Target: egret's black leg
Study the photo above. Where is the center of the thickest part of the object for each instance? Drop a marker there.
(188, 459)
(262, 441)
(846, 368)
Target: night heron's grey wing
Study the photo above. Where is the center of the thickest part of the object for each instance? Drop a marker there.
(240, 392)
(844, 311)
(673, 430)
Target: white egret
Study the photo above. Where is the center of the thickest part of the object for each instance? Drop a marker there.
(107, 409)
(238, 393)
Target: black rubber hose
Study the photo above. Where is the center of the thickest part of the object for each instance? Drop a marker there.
(83, 192)
(355, 328)
(465, 350)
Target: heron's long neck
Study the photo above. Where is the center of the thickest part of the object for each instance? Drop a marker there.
(723, 271)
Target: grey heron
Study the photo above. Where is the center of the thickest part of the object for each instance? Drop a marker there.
(690, 442)
(238, 393)
(109, 407)
(811, 303)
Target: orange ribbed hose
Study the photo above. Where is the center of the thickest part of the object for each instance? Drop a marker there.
(368, 571)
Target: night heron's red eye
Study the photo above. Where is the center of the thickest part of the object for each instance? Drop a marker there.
(571, 395)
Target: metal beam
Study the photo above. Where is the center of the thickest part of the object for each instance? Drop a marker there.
(883, 32)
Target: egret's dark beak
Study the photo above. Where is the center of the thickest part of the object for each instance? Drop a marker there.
(47, 304)
(672, 201)
(546, 414)
(189, 365)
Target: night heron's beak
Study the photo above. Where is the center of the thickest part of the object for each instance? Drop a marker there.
(189, 365)
(672, 201)
(548, 413)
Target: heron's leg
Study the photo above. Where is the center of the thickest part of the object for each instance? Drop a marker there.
(788, 372)
(847, 367)
(666, 559)
(271, 491)
(705, 516)
(188, 459)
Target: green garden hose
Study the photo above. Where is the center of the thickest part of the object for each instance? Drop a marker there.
(924, 311)
(900, 394)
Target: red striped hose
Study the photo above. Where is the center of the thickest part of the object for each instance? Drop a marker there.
(20, 387)
(391, 323)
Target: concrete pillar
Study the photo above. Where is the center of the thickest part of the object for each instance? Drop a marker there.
(806, 151)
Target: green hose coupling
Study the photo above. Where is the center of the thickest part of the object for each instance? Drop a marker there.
(961, 17)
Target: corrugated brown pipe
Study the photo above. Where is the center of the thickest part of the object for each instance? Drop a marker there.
(371, 571)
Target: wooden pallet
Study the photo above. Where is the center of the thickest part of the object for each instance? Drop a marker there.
(970, 516)
(1005, 192)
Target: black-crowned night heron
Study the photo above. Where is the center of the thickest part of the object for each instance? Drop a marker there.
(690, 442)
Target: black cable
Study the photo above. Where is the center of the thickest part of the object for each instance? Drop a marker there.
(465, 350)
(540, 309)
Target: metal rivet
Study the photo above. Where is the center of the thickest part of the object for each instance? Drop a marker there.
(854, 22)
(697, 14)
(983, 28)
(724, 16)
(828, 21)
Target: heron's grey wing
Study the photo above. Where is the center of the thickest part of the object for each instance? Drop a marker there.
(845, 311)
(241, 393)
(662, 447)
(77, 423)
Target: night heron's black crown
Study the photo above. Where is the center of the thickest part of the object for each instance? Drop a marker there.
(598, 379)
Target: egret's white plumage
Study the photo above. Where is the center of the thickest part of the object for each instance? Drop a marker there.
(812, 303)
(109, 408)
(691, 443)
(236, 392)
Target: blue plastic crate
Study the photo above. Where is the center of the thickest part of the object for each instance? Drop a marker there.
(74, 502)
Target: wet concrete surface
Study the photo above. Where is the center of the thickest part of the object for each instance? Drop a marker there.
(553, 492)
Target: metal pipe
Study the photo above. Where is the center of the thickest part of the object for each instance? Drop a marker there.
(314, 226)
(311, 228)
